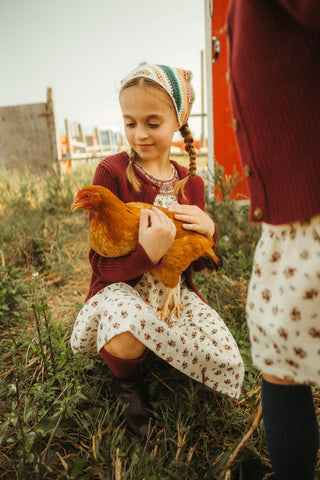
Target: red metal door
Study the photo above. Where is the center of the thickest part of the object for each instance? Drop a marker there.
(225, 145)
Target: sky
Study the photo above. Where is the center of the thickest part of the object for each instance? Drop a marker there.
(83, 48)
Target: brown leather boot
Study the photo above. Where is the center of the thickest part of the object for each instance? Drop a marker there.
(130, 394)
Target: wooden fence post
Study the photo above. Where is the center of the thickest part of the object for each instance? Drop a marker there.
(52, 131)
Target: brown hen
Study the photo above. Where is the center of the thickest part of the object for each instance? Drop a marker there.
(114, 229)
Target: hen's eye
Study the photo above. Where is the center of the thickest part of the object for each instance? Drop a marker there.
(87, 195)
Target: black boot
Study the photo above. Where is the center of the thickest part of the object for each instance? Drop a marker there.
(130, 392)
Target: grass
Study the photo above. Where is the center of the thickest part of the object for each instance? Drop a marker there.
(58, 419)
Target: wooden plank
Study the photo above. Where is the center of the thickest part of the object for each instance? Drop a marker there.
(99, 145)
(76, 144)
(28, 136)
(208, 62)
(24, 139)
(52, 130)
(82, 138)
(68, 135)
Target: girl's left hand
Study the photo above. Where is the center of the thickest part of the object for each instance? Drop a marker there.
(195, 218)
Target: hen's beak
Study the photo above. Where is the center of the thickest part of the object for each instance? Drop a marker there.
(76, 204)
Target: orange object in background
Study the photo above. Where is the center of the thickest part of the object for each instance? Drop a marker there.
(181, 145)
(63, 144)
(225, 144)
(65, 164)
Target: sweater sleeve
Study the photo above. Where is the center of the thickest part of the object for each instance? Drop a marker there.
(306, 12)
(120, 269)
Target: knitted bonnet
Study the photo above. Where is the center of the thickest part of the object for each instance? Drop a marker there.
(175, 81)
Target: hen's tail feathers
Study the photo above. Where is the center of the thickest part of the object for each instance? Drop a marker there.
(211, 263)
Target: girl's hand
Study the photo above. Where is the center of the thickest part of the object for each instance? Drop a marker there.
(156, 233)
(195, 218)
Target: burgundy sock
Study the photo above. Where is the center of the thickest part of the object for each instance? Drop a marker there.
(122, 367)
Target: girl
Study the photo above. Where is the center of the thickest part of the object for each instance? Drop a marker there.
(119, 317)
(277, 107)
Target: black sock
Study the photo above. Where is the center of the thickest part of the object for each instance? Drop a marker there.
(291, 430)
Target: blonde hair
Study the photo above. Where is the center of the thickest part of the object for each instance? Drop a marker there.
(184, 131)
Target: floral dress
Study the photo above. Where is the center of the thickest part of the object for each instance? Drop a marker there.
(198, 343)
(283, 307)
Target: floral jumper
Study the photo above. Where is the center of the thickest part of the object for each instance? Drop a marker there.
(198, 343)
(283, 307)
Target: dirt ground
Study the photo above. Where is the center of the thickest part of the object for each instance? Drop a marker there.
(67, 293)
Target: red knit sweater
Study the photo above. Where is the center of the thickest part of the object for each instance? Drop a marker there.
(275, 95)
(111, 174)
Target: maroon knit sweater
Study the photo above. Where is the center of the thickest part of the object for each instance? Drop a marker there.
(275, 96)
(110, 173)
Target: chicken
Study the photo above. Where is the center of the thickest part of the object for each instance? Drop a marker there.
(114, 230)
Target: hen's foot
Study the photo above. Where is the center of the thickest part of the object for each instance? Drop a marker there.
(175, 309)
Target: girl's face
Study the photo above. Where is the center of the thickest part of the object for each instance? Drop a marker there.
(149, 120)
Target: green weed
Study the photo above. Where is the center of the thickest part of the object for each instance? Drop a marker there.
(13, 294)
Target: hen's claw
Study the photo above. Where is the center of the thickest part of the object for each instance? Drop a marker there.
(176, 308)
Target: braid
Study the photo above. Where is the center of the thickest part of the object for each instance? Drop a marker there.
(131, 176)
(189, 148)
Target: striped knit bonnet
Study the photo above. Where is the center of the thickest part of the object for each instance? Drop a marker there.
(175, 81)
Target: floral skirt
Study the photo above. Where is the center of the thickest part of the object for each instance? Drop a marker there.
(198, 343)
(283, 307)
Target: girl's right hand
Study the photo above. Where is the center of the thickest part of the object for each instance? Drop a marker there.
(156, 233)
